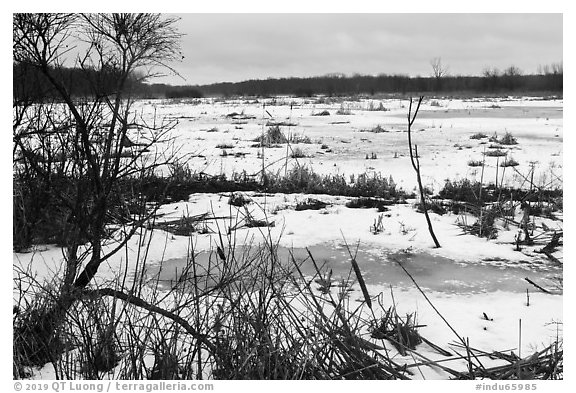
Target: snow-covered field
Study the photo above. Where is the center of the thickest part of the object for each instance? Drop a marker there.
(442, 132)
(465, 278)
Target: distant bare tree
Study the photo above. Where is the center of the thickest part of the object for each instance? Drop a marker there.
(491, 72)
(554, 74)
(543, 69)
(511, 77)
(557, 68)
(439, 71)
(548, 69)
(512, 71)
(491, 77)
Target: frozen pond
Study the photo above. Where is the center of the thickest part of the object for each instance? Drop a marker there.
(496, 112)
(380, 268)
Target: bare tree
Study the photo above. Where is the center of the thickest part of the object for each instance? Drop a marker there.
(491, 72)
(74, 148)
(491, 77)
(511, 77)
(512, 71)
(414, 159)
(557, 68)
(439, 71)
(553, 73)
(543, 69)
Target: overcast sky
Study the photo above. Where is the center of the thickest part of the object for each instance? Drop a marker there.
(236, 47)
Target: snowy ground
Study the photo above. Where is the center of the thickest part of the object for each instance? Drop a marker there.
(487, 275)
(442, 131)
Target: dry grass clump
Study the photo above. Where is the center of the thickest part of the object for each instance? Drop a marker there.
(79, 343)
(377, 108)
(475, 163)
(369, 203)
(547, 364)
(310, 204)
(509, 162)
(495, 153)
(185, 225)
(401, 332)
(252, 222)
(298, 153)
(478, 135)
(378, 225)
(36, 340)
(544, 201)
(224, 146)
(377, 129)
(485, 224)
(295, 139)
(508, 139)
(240, 116)
(344, 111)
(280, 124)
(181, 182)
(303, 179)
(433, 206)
(238, 199)
(272, 136)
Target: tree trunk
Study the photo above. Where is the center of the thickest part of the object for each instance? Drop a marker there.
(416, 165)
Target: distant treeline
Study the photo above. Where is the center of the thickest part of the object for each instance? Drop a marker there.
(30, 83)
(365, 84)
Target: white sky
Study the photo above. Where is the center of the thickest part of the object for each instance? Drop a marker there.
(235, 47)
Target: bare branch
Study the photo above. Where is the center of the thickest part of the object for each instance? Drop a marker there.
(416, 165)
